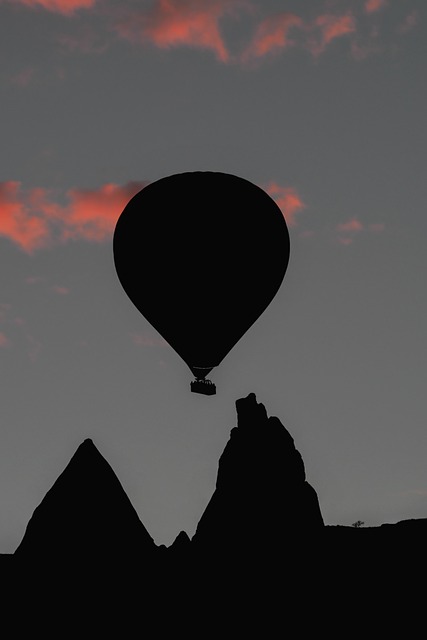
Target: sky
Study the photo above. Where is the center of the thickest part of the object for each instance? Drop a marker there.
(322, 104)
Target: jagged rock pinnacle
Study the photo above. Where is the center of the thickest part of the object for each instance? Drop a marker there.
(261, 495)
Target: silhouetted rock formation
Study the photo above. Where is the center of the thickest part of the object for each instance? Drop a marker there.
(85, 515)
(181, 544)
(262, 499)
(260, 556)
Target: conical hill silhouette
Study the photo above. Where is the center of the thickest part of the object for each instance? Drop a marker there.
(85, 514)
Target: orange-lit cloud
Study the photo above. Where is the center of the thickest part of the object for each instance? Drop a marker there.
(32, 220)
(66, 7)
(93, 213)
(272, 35)
(331, 27)
(288, 201)
(17, 222)
(198, 24)
(348, 231)
(172, 23)
(372, 6)
(348, 227)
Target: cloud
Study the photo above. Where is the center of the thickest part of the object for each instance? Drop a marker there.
(351, 226)
(331, 27)
(33, 280)
(24, 78)
(409, 23)
(86, 41)
(4, 341)
(92, 213)
(288, 201)
(21, 336)
(372, 6)
(60, 290)
(172, 23)
(32, 220)
(17, 222)
(347, 231)
(272, 34)
(362, 50)
(65, 7)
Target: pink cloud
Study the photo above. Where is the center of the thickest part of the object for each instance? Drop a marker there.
(92, 213)
(32, 220)
(4, 341)
(66, 7)
(372, 6)
(18, 222)
(409, 23)
(60, 290)
(172, 23)
(308, 233)
(22, 337)
(331, 27)
(351, 226)
(24, 78)
(348, 230)
(288, 201)
(361, 51)
(345, 240)
(33, 280)
(272, 35)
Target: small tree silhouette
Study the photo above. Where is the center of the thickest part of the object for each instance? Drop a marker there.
(358, 524)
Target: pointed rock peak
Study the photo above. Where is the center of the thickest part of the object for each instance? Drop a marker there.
(250, 413)
(181, 540)
(86, 508)
(87, 445)
(87, 464)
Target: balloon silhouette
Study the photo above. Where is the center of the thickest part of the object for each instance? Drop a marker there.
(201, 255)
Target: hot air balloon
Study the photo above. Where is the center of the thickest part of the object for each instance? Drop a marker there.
(201, 255)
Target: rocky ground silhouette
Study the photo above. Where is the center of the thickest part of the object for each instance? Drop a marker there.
(261, 550)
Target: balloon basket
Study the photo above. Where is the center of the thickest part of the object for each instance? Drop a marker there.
(206, 387)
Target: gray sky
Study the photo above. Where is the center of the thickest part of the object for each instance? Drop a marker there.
(324, 107)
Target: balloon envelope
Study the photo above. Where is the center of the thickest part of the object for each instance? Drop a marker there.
(201, 255)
